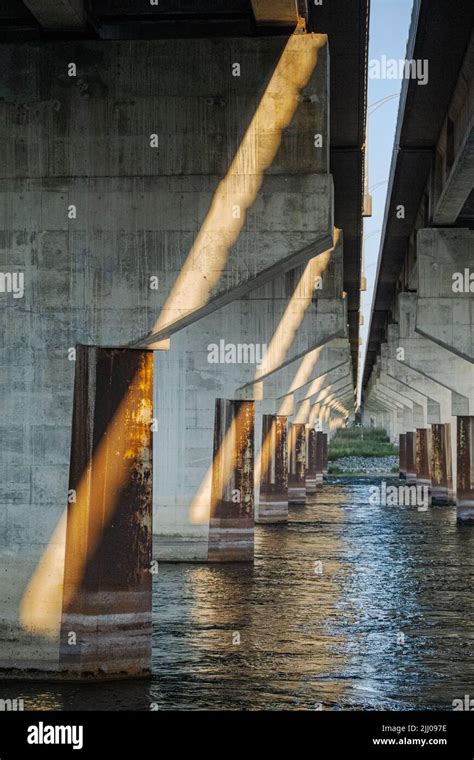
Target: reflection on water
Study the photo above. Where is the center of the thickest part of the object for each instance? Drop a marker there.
(349, 607)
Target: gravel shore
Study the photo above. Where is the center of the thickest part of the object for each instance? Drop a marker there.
(366, 465)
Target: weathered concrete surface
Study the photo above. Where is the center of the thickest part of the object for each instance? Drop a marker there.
(393, 388)
(445, 302)
(433, 361)
(234, 194)
(439, 398)
(287, 318)
(255, 198)
(302, 372)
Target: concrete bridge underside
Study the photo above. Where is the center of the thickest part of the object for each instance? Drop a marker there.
(181, 203)
(419, 371)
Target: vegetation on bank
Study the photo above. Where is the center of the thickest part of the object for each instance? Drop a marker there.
(361, 442)
(333, 469)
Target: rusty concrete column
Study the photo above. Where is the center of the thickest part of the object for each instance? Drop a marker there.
(106, 613)
(297, 464)
(441, 464)
(402, 454)
(319, 457)
(411, 458)
(231, 525)
(325, 455)
(310, 471)
(422, 452)
(273, 502)
(465, 460)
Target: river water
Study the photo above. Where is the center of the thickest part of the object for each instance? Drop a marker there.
(350, 606)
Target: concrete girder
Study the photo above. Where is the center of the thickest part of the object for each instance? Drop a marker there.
(430, 359)
(438, 397)
(58, 14)
(459, 184)
(188, 384)
(420, 402)
(332, 391)
(445, 299)
(280, 12)
(328, 379)
(299, 372)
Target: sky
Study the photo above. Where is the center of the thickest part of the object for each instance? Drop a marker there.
(389, 27)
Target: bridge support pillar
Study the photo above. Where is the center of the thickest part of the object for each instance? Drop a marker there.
(297, 464)
(423, 455)
(231, 524)
(411, 458)
(402, 454)
(106, 615)
(441, 465)
(465, 457)
(319, 457)
(310, 473)
(325, 455)
(272, 505)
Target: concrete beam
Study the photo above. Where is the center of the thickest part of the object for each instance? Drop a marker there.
(296, 374)
(58, 14)
(430, 359)
(444, 311)
(280, 12)
(459, 184)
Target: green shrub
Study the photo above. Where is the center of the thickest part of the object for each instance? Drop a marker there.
(361, 442)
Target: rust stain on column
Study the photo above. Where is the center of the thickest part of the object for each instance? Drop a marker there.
(411, 458)
(441, 464)
(273, 502)
(422, 452)
(325, 455)
(106, 618)
(465, 461)
(402, 454)
(449, 463)
(296, 477)
(319, 457)
(310, 472)
(231, 526)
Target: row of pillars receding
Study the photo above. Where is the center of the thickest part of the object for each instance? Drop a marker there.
(426, 460)
(107, 591)
(291, 463)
